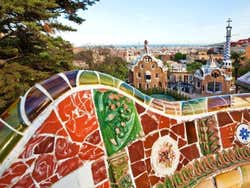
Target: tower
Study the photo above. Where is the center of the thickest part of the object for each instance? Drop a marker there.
(227, 63)
(146, 47)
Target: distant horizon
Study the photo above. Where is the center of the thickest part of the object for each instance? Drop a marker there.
(119, 22)
(153, 44)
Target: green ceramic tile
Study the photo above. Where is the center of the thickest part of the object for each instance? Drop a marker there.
(148, 99)
(106, 79)
(8, 140)
(139, 95)
(118, 119)
(195, 106)
(118, 171)
(13, 118)
(127, 88)
(88, 77)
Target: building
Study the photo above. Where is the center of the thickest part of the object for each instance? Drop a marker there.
(213, 79)
(148, 72)
(179, 78)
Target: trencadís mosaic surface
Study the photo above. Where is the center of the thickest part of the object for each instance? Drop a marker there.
(88, 129)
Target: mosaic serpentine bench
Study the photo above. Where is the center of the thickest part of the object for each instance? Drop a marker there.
(88, 129)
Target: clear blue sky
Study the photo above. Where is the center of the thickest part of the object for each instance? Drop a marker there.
(161, 21)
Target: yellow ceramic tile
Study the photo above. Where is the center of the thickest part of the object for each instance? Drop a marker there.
(206, 184)
(231, 179)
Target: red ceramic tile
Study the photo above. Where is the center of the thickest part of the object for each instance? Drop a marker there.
(236, 115)
(26, 181)
(179, 130)
(51, 126)
(98, 171)
(49, 182)
(77, 112)
(148, 152)
(191, 132)
(181, 143)
(227, 135)
(173, 135)
(142, 181)
(247, 115)
(66, 166)
(65, 149)
(173, 121)
(45, 146)
(15, 170)
(148, 124)
(190, 152)
(224, 118)
(150, 139)
(180, 165)
(184, 162)
(90, 152)
(138, 168)
(164, 132)
(136, 151)
(94, 138)
(148, 165)
(38, 145)
(154, 180)
(139, 108)
(104, 185)
(164, 122)
(44, 167)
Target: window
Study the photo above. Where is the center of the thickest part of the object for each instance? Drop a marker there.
(148, 77)
(147, 86)
(198, 84)
(153, 66)
(214, 87)
(215, 74)
(139, 75)
(156, 75)
(185, 78)
(142, 66)
(139, 85)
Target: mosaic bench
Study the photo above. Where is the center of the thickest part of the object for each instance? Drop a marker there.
(88, 129)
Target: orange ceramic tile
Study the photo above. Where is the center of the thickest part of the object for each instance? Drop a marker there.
(90, 152)
(65, 149)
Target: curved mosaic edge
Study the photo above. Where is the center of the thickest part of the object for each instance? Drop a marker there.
(44, 93)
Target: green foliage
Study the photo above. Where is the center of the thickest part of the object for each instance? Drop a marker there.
(15, 79)
(114, 66)
(29, 50)
(192, 67)
(179, 56)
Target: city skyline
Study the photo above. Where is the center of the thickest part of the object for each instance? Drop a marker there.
(160, 22)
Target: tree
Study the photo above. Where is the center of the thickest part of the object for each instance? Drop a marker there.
(179, 56)
(237, 58)
(114, 66)
(192, 67)
(29, 50)
(26, 26)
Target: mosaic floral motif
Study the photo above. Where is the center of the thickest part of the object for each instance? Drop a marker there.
(119, 171)
(243, 133)
(118, 137)
(165, 156)
(118, 118)
(208, 135)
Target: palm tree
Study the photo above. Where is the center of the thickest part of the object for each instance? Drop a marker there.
(237, 58)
